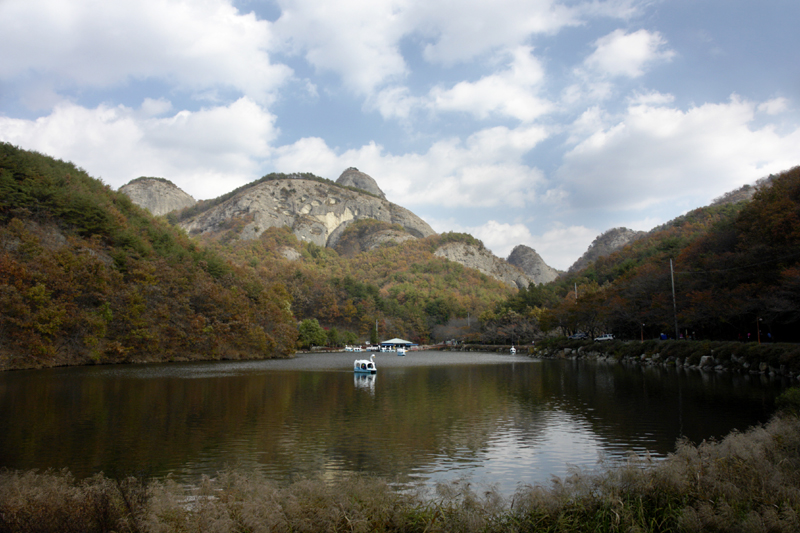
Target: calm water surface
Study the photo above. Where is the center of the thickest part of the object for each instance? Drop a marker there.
(497, 420)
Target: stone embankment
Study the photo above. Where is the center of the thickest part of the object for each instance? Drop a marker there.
(773, 359)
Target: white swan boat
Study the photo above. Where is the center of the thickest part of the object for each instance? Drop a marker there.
(362, 366)
(401, 350)
(513, 350)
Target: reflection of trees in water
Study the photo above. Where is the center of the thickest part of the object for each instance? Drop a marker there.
(290, 422)
(663, 403)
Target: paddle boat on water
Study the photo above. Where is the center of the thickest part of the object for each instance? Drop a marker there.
(513, 350)
(401, 350)
(363, 366)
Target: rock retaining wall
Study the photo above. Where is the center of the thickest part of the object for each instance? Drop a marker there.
(719, 362)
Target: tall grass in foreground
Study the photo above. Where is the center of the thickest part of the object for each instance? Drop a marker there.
(748, 482)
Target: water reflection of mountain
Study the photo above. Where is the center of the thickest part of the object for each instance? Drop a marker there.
(291, 423)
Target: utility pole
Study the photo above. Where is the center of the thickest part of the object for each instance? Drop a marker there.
(758, 329)
(674, 306)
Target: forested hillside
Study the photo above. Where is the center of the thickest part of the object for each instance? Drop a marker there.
(88, 277)
(409, 291)
(736, 270)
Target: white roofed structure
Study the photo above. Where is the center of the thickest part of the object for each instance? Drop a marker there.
(397, 342)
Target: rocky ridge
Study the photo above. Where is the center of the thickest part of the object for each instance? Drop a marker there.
(157, 195)
(320, 211)
(316, 211)
(482, 260)
(531, 264)
(606, 244)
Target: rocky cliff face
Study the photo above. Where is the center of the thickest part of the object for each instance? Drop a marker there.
(483, 261)
(531, 264)
(159, 196)
(352, 177)
(315, 211)
(363, 237)
(607, 243)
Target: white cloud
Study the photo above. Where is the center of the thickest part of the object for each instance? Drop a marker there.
(654, 155)
(206, 153)
(485, 170)
(461, 30)
(152, 107)
(501, 237)
(510, 92)
(651, 98)
(356, 39)
(395, 102)
(562, 245)
(627, 54)
(360, 40)
(775, 106)
(194, 46)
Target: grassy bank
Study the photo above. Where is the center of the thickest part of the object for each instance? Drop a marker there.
(746, 482)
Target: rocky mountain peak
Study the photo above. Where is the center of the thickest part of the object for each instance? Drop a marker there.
(606, 244)
(482, 260)
(316, 210)
(352, 177)
(531, 264)
(157, 195)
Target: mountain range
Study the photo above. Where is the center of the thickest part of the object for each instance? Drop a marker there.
(319, 211)
(90, 275)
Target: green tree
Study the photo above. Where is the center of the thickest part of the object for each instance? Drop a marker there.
(334, 338)
(311, 333)
(373, 335)
(349, 337)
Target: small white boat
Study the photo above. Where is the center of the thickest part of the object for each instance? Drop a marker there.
(513, 350)
(362, 366)
(401, 350)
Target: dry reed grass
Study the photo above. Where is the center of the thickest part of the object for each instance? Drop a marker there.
(747, 482)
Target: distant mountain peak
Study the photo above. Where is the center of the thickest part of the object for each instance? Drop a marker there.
(158, 195)
(531, 264)
(606, 244)
(352, 177)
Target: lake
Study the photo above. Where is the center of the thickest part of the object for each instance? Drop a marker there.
(496, 420)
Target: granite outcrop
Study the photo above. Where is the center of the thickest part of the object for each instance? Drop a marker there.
(484, 261)
(316, 211)
(157, 195)
(531, 264)
(352, 177)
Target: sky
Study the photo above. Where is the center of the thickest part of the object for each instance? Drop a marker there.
(536, 122)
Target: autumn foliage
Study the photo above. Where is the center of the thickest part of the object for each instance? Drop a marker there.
(736, 271)
(88, 277)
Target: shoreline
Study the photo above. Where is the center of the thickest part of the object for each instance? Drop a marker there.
(775, 359)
